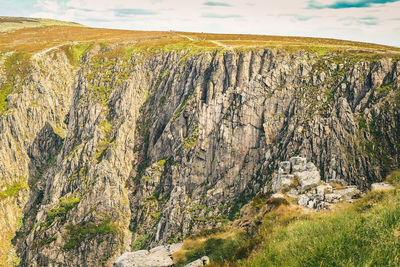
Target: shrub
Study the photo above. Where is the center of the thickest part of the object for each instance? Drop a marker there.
(217, 249)
(14, 189)
(61, 210)
(86, 231)
(394, 177)
(369, 200)
(141, 242)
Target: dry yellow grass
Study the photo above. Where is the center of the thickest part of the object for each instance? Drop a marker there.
(337, 186)
(32, 40)
(191, 244)
(271, 40)
(35, 39)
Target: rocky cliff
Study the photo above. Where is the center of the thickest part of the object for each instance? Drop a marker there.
(126, 149)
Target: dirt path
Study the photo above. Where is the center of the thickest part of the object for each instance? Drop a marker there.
(212, 41)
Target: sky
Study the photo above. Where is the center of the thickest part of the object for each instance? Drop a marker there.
(375, 21)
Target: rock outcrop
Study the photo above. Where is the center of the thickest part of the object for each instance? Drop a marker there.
(300, 179)
(160, 256)
(129, 149)
(381, 186)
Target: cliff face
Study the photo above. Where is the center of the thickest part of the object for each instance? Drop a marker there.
(130, 149)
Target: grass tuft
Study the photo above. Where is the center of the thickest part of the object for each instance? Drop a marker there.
(219, 244)
(394, 177)
(61, 210)
(87, 231)
(13, 189)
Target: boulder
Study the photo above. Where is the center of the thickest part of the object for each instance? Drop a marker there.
(200, 262)
(333, 198)
(160, 256)
(284, 167)
(324, 189)
(303, 200)
(292, 193)
(349, 192)
(381, 186)
(277, 195)
(308, 178)
(281, 181)
(298, 164)
(312, 204)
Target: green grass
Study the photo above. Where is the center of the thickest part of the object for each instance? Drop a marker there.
(364, 234)
(141, 242)
(394, 177)
(219, 244)
(16, 68)
(87, 231)
(13, 189)
(156, 215)
(74, 53)
(61, 210)
(191, 140)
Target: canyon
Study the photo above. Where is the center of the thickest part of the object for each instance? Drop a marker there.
(107, 148)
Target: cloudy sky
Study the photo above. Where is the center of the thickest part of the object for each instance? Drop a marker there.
(376, 21)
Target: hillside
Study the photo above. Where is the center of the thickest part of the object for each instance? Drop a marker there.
(115, 140)
(10, 24)
(364, 233)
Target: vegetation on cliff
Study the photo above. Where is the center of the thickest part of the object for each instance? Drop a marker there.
(161, 134)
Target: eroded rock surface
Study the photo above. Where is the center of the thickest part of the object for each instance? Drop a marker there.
(143, 149)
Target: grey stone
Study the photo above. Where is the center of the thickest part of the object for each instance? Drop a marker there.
(281, 182)
(312, 204)
(277, 195)
(284, 167)
(298, 164)
(308, 178)
(333, 198)
(324, 189)
(303, 200)
(348, 192)
(381, 186)
(199, 262)
(159, 256)
(293, 193)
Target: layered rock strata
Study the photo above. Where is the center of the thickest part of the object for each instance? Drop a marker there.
(129, 149)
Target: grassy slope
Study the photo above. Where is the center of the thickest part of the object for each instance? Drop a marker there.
(353, 236)
(366, 233)
(9, 24)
